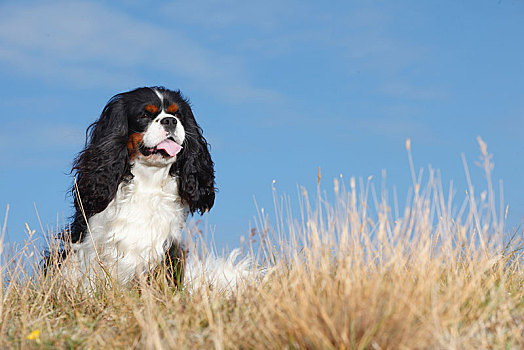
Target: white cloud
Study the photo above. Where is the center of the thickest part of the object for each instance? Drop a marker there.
(28, 143)
(407, 91)
(264, 15)
(92, 45)
(39, 134)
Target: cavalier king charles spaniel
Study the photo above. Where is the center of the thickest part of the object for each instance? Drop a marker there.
(145, 167)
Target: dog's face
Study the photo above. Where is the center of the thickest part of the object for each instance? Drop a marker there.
(156, 121)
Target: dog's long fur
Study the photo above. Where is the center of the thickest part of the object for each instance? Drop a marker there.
(135, 187)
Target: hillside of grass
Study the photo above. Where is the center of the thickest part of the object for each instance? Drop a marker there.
(354, 272)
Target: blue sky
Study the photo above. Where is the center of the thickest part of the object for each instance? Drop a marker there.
(280, 89)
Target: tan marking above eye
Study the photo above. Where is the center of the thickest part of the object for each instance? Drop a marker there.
(173, 108)
(151, 108)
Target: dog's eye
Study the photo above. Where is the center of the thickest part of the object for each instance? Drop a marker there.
(146, 115)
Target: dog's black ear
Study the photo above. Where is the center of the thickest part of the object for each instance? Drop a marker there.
(195, 168)
(101, 166)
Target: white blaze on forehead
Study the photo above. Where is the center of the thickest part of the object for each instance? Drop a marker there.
(160, 96)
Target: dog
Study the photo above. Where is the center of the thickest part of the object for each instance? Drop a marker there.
(145, 167)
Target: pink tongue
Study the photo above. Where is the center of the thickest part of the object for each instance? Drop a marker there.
(171, 147)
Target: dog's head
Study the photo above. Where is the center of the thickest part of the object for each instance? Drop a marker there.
(154, 126)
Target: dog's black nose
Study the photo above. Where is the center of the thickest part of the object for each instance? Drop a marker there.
(169, 123)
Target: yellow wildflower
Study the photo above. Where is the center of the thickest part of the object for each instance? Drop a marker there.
(34, 335)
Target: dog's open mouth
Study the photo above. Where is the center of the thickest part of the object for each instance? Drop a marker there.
(167, 148)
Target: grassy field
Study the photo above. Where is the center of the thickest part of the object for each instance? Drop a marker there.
(354, 272)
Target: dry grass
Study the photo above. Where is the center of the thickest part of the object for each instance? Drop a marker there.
(344, 274)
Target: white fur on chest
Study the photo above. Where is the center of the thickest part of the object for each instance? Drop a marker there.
(132, 234)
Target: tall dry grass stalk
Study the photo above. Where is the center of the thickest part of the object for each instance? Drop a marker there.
(350, 273)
